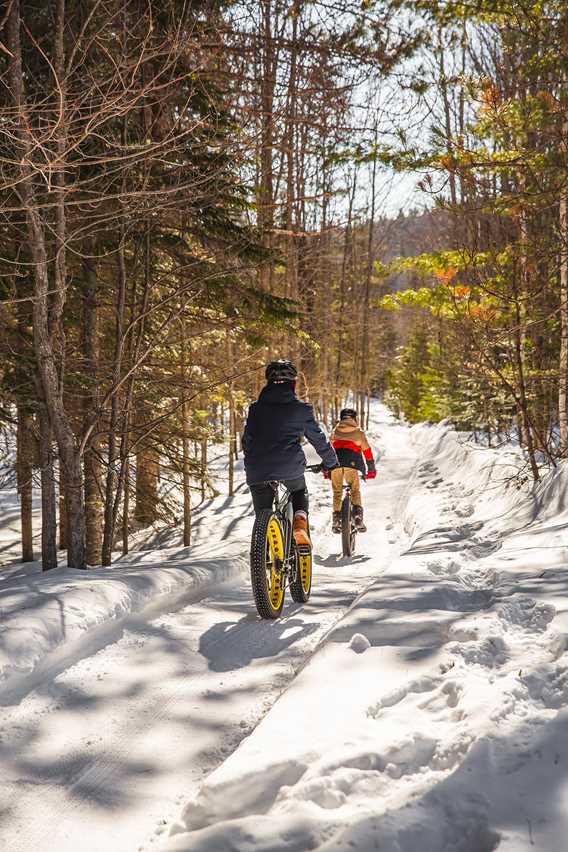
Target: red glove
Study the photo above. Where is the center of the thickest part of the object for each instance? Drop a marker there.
(371, 474)
(327, 471)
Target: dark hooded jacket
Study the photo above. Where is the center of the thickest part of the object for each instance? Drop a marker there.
(275, 425)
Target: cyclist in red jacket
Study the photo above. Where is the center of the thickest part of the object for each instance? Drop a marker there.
(355, 456)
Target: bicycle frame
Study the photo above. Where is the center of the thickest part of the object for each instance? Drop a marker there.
(284, 511)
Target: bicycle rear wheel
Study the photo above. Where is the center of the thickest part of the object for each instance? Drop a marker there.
(347, 527)
(301, 584)
(267, 564)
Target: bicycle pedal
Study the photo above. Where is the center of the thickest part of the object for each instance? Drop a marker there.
(304, 549)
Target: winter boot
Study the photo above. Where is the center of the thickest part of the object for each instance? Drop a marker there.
(301, 534)
(358, 518)
(336, 522)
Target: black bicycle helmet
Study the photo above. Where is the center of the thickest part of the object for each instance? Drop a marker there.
(281, 371)
(347, 412)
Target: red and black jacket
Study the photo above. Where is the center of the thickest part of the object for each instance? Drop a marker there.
(350, 443)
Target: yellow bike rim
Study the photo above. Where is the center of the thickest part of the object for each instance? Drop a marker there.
(305, 567)
(275, 563)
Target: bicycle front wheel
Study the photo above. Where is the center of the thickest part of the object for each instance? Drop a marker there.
(267, 564)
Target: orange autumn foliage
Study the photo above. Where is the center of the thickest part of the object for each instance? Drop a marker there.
(461, 292)
(445, 276)
(484, 313)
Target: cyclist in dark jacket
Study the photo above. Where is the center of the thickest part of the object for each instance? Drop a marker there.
(275, 426)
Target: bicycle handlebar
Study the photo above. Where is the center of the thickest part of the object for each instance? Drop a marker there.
(319, 468)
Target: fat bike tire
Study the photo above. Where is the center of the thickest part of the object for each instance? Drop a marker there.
(347, 527)
(301, 583)
(267, 565)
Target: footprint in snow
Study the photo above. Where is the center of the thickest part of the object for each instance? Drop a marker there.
(427, 467)
(490, 653)
(439, 567)
(447, 696)
(485, 548)
(549, 685)
(434, 483)
(391, 699)
(524, 613)
(467, 530)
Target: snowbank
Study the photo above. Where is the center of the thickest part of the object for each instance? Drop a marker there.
(433, 718)
(43, 616)
(44, 613)
(495, 484)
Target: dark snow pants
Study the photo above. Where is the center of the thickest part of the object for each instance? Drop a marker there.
(263, 494)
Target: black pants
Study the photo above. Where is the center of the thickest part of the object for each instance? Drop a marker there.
(263, 494)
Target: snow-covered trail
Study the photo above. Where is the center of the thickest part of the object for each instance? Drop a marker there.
(95, 752)
(434, 718)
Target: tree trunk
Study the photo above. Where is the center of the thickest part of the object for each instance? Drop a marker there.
(342, 320)
(563, 361)
(48, 502)
(24, 474)
(290, 149)
(147, 477)
(76, 533)
(62, 510)
(186, 476)
(147, 458)
(265, 190)
(126, 505)
(365, 354)
(186, 470)
(93, 508)
(92, 463)
(110, 485)
(232, 420)
(447, 116)
(203, 468)
(522, 392)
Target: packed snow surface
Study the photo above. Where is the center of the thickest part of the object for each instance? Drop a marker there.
(417, 703)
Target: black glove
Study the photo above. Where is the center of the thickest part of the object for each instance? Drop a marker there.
(371, 469)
